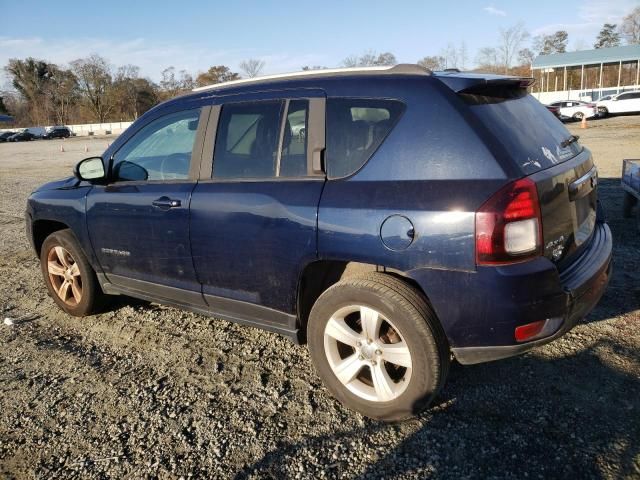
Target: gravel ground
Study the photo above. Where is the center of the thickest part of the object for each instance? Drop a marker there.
(146, 391)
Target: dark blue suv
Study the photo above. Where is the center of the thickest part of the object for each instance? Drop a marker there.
(391, 217)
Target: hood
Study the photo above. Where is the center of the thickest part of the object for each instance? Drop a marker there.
(69, 182)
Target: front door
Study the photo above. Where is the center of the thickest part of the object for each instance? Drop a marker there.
(139, 221)
(254, 219)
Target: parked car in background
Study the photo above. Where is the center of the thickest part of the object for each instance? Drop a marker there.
(23, 136)
(554, 110)
(602, 99)
(57, 132)
(5, 135)
(627, 102)
(575, 109)
(356, 238)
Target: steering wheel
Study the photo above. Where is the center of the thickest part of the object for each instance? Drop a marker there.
(174, 164)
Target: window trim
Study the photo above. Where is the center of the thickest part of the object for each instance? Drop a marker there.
(315, 135)
(196, 151)
(283, 123)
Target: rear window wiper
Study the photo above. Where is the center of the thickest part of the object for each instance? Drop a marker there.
(569, 141)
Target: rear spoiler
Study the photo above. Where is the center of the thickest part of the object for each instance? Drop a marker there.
(482, 84)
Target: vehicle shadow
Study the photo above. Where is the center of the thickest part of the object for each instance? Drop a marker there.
(570, 417)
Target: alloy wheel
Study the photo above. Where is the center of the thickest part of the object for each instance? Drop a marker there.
(64, 275)
(367, 353)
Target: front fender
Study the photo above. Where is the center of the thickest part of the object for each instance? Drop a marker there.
(66, 206)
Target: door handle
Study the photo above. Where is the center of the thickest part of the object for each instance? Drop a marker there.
(165, 203)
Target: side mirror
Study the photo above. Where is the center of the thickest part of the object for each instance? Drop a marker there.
(614, 99)
(89, 169)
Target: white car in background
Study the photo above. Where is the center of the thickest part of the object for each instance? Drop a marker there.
(575, 109)
(626, 102)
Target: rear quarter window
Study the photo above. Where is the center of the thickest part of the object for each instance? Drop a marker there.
(355, 129)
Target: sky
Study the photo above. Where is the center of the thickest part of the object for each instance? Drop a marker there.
(285, 34)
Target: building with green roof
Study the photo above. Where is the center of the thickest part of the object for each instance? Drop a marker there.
(586, 74)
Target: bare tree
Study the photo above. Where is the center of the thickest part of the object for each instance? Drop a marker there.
(172, 84)
(526, 56)
(487, 59)
(252, 67)
(463, 55)
(351, 61)
(432, 63)
(370, 59)
(386, 58)
(630, 27)
(450, 55)
(511, 40)
(133, 95)
(95, 80)
(61, 93)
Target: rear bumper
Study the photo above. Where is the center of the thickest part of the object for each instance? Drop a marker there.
(480, 310)
(583, 283)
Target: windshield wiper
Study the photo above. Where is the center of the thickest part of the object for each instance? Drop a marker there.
(569, 141)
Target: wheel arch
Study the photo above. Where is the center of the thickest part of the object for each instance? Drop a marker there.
(41, 229)
(319, 275)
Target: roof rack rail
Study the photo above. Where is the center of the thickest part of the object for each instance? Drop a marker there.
(402, 68)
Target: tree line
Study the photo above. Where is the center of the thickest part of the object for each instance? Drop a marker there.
(92, 90)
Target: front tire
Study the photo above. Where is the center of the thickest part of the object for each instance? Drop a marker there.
(378, 346)
(71, 281)
(578, 116)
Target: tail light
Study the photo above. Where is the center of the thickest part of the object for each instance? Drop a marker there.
(509, 225)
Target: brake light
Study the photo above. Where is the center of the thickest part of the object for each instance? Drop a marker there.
(509, 225)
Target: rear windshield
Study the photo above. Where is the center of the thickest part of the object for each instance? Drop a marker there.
(529, 132)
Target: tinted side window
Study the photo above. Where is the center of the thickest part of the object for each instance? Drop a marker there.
(247, 140)
(161, 150)
(355, 129)
(294, 141)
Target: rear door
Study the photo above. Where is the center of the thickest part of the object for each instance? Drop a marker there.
(254, 210)
(139, 222)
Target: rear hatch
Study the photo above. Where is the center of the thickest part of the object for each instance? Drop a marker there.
(534, 143)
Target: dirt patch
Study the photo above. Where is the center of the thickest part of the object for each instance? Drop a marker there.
(149, 391)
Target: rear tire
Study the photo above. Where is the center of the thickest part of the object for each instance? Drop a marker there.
(578, 116)
(71, 281)
(378, 346)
